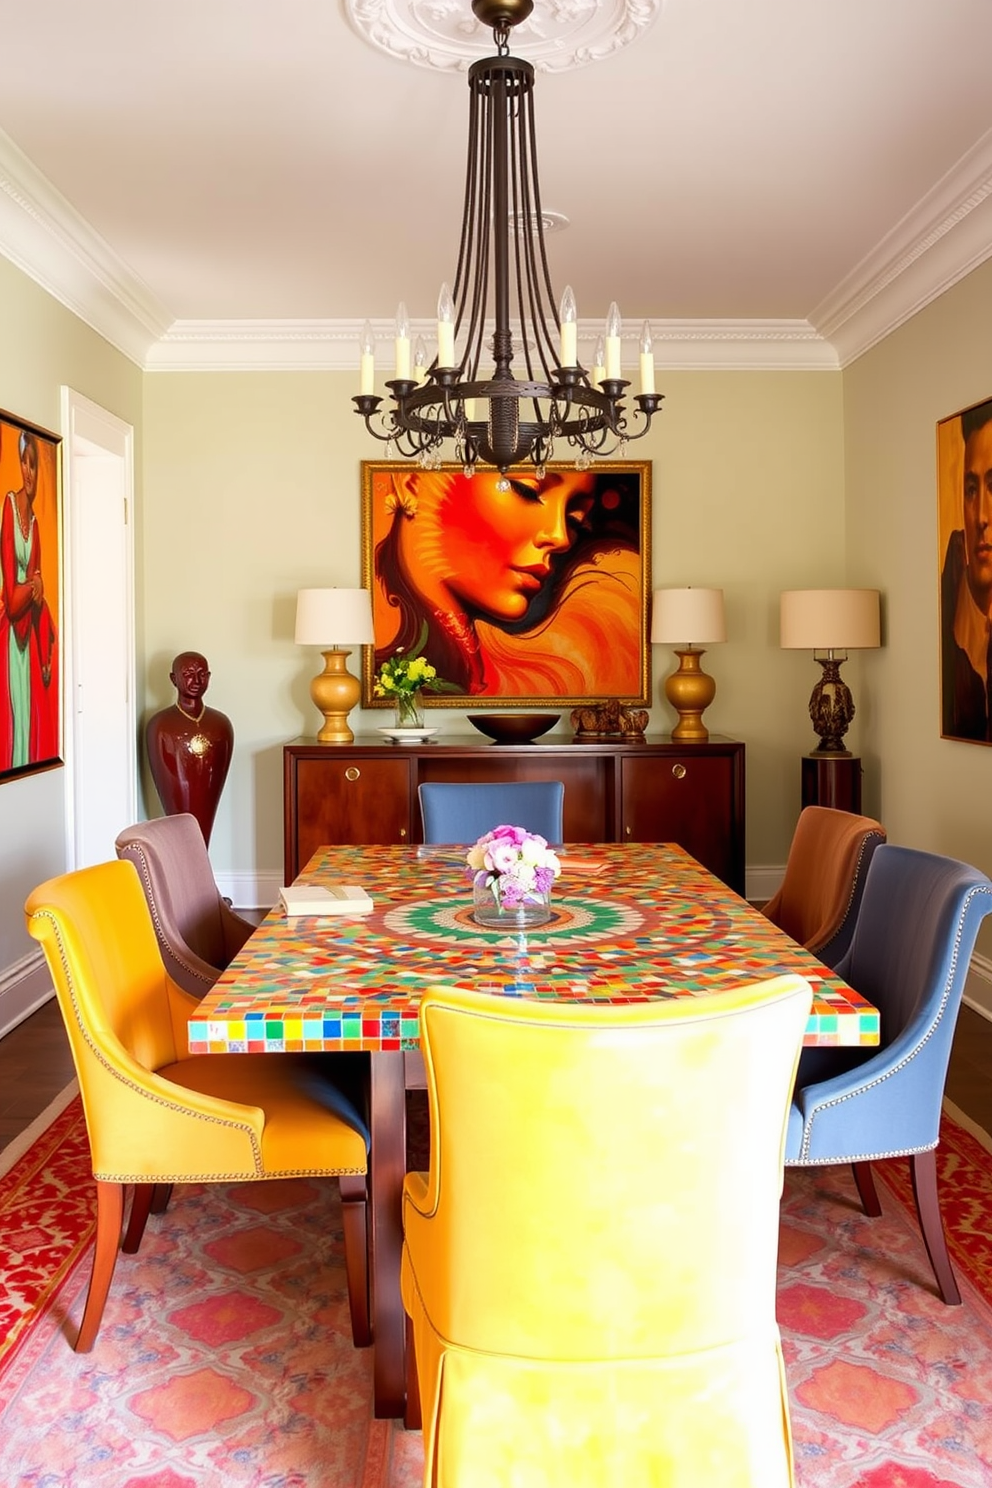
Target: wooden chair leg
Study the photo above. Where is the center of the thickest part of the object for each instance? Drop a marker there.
(865, 1180)
(355, 1209)
(412, 1418)
(109, 1215)
(923, 1167)
(161, 1197)
(144, 1194)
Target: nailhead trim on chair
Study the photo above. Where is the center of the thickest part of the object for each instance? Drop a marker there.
(877, 837)
(804, 1160)
(208, 981)
(146, 1094)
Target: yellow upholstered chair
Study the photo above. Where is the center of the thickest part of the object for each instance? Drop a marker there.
(157, 1116)
(820, 894)
(589, 1266)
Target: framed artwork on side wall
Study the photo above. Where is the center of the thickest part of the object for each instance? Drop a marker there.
(30, 593)
(531, 591)
(964, 520)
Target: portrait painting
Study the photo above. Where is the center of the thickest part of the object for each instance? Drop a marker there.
(30, 531)
(526, 590)
(964, 519)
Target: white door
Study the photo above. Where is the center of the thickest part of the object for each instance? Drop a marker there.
(100, 731)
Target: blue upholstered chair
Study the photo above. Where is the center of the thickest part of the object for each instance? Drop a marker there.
(463, 811)
(912, 944)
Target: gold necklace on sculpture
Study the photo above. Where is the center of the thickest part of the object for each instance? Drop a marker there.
(193, 717)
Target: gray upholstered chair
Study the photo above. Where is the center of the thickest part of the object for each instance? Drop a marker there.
(465, 810)
(912, 944)
(198, 933)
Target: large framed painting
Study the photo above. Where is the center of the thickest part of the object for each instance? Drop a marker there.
(531, 590)
(964, 520)
(30, 559)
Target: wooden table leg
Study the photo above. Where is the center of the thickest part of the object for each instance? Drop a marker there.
(388, 1169)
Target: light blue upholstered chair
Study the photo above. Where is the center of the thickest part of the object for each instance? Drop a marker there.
(462, 811)
(912, 945)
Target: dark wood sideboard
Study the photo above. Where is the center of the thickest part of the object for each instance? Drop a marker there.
(650, 791)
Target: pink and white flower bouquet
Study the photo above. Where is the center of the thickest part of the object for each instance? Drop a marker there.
(514, 865)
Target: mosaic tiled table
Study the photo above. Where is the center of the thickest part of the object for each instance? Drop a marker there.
(652, 923)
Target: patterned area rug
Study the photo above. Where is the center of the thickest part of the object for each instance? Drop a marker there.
(225, 1353)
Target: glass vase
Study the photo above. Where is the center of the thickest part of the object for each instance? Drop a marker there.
(409, 710)
(490, 910)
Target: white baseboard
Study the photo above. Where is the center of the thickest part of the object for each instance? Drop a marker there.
(24, 988)
(251, 890)
(978, 988)
(760, 884)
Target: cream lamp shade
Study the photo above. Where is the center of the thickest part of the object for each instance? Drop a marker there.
(334, 620)
(830, 622)
(688, 620)
(829, 619)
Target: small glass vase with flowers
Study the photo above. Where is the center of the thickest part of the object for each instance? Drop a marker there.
(512, 873)
(403, 679)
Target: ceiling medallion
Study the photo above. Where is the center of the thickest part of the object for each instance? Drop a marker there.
(559, 35)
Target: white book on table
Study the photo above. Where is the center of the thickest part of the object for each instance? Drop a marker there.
(330, 899)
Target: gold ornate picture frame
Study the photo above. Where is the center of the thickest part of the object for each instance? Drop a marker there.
(530, 593)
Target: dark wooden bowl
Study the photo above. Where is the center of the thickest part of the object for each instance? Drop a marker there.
(513, 728)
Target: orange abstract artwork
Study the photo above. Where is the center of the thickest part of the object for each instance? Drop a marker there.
(29, 598)
(530, 590)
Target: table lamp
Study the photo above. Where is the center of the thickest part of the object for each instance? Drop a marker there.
(689, 620)
(830, 622)
(335, 620)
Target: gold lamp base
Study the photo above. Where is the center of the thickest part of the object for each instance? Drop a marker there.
(690, 691)
(335, 692)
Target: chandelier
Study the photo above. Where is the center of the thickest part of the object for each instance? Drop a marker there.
(491, 415)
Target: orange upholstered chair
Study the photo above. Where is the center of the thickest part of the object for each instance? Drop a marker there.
(155, 1115)
(589, 1266)
(817, 903)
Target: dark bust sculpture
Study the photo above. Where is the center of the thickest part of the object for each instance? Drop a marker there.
(190, 746)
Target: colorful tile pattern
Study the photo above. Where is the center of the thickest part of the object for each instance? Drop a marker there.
(652, 924)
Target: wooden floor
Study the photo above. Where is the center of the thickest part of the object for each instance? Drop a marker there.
(35, 1065)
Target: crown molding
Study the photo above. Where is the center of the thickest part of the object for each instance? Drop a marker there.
(946, 236)
(332, 346)
(47, 239)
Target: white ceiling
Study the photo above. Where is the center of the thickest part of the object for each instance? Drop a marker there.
(242, 182)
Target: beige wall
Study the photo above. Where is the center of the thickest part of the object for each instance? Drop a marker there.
(932, 793)
(252, 492)
(44, 346)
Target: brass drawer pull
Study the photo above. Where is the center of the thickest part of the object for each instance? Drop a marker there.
(678, 771)
(353, 773)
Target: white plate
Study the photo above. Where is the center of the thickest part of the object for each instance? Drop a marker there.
(407, 736)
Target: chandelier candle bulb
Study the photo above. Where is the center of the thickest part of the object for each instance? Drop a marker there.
(647, 360)
(613, 329)
(568, 317)
(367, 363)
(402, 344)
(598, 362)
(445, 328)
(420, 361)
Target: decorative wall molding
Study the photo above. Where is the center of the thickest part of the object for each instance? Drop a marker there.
(332, 346)
(939, 242)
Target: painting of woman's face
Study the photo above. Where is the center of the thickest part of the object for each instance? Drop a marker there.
(523, 588)
(499, 545)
